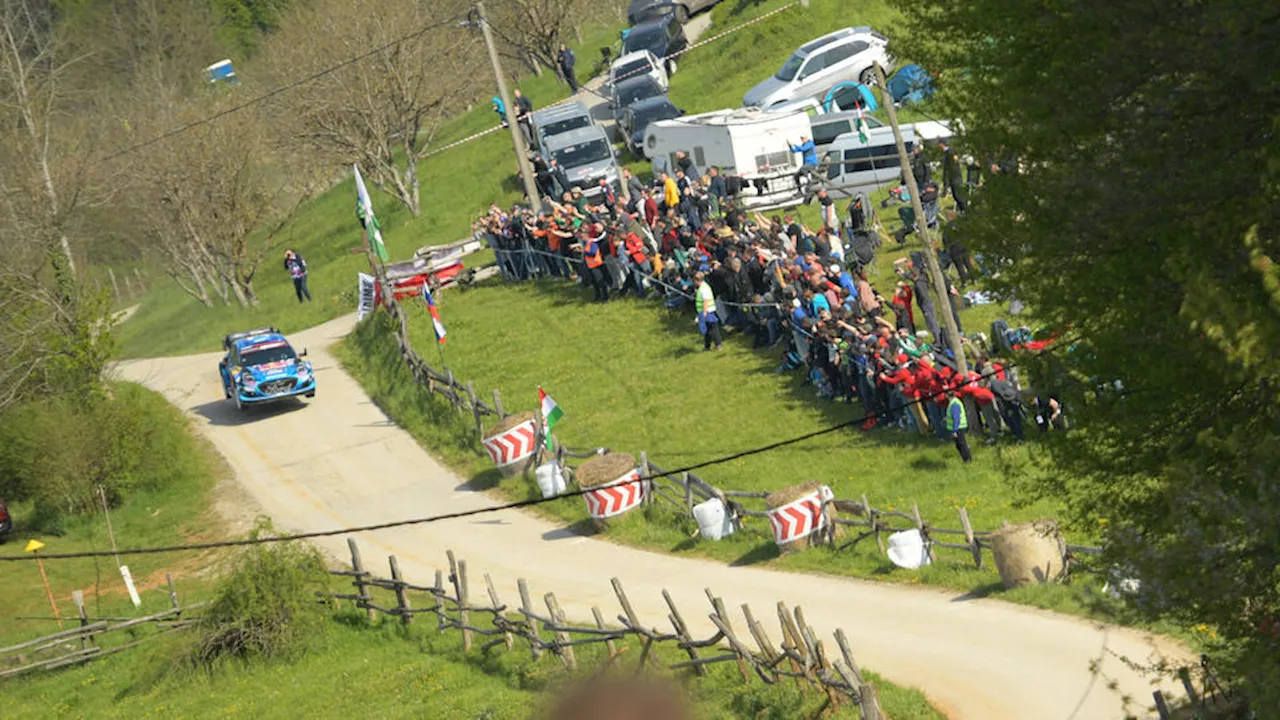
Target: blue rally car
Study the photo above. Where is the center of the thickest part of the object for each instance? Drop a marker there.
(261, 366)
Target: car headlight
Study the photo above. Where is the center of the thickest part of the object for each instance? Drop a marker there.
(249, 384)
(304, 374)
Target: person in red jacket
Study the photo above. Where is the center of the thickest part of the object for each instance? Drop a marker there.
(980, 403)
(637, 261)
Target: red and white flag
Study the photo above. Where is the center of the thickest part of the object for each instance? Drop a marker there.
(435, 313)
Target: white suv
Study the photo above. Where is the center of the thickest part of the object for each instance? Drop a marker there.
(640, 62)
(818, 65)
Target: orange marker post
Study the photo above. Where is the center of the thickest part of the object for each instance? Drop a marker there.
(33, 547)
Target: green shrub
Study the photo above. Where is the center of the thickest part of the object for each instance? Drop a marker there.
(56, 451)
(266, 606)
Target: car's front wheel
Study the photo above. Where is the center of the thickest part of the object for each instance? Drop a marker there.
(671, 67)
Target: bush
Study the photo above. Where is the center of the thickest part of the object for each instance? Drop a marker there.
(56, 451)
(266, 606)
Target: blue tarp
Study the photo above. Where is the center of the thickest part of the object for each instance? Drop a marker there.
(911, 84)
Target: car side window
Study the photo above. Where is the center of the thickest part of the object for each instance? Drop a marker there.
(856, 47)
(815, 64)
(839, 54)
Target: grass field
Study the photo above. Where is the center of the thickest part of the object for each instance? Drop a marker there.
(178, 513)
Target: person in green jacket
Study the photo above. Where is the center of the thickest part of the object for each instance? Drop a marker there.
(708, 320)
(956, 423)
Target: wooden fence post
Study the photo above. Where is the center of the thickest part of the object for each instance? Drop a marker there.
(497, 607)
(970, 540)
(526, 606)
(475, 407)
(682, 631)
(924, 533)
(358, 567)
(173, 592)
(453, 393)
(497, 404)
(402, 597)
(562, 638)
(438, 608)
(875, 526)
(77, 597)
(688, 492)
(459, 579)
(613, 649)
(649, 497)
(717, 606)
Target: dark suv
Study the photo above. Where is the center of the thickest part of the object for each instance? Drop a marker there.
(6, 522)
(663, 36)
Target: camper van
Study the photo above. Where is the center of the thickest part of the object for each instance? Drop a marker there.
(222, 71)
(746, 142)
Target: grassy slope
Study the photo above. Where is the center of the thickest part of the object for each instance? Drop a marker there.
(177, 514)
(382, 672)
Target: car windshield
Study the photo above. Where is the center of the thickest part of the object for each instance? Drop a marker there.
(645, 39)
(631, 69)
(585, 153)
(644, 116)
(563, 126)
(791, 67)
(267, 355)
(630, 93)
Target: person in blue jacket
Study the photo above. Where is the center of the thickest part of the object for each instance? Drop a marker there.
(809, 153)
(501, 109)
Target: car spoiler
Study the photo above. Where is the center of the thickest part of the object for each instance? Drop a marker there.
(226, 341)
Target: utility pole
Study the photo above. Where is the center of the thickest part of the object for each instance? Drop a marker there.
(517, 139)
(930, 258)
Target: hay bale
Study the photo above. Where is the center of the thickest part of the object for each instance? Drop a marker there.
(1029, 553)
(509, 422)
(792, 493)
(505, 424)
(604, 469)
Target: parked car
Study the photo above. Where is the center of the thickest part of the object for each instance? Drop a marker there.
(629, 92)
(639, 11)
(260, 366)
(559, 119)
(638, 64)
(816, 66)
(663, 36)
(586, 156)
(638, 116)
(6, 522)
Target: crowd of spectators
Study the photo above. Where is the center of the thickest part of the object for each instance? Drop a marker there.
(781, 283)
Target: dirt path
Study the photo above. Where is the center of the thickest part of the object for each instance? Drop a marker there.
(338, 461)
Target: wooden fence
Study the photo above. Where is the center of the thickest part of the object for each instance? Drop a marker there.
(483, 618)
(92, 638)
(685, 489)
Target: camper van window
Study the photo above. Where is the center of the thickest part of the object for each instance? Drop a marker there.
(769, 161)
(699, 157)
(790, 67)
(585, 153)
(563, 126)
(825, 133)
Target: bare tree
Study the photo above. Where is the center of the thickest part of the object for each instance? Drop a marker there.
(532, 30)
(382, 112)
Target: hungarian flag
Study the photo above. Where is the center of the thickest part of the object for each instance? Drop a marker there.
(435, 314)
(364, 210)
(551, 414)
(863, 133)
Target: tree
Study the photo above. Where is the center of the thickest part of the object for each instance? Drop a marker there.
(1138, 217)
(383, 111)
(532, 30)
(215, 198)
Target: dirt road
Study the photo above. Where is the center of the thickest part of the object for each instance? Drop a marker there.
(338, 461)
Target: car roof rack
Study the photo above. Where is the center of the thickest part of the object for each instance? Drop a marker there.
(232, 337)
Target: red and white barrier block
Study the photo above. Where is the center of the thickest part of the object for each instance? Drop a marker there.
(617, 497)
(801, 517)
(514, 445)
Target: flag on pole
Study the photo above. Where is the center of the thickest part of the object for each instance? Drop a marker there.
(364, 210)
(863, 135)
(551, 414)
(435, 314)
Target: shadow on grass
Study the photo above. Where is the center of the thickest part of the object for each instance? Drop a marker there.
(684, 545)
(484, 480)
(745, 5)
(980, 592)
(760, 553)
(223, 413)
(927, 464)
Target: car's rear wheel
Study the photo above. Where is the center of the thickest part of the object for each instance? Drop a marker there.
(868, 77)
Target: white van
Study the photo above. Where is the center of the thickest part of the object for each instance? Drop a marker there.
(640, 62)
(851, 165)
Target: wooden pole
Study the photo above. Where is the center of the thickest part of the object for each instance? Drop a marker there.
(682, 630)
(102, 493)
(475, 407)
(77, 597)
(173, 592)
(358, 568)
(402, 596)
(613, 649)
(930, 257)
(497, 404)
(970, 539)
(48, 590)
(497, 607)
(562, 637)
(526, 605)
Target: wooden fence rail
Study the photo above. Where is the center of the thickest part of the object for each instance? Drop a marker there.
(495, 625)
(86, 642)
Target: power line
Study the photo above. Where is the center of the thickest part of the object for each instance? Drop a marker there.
(498, 508)
(275, 91)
